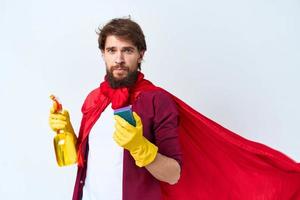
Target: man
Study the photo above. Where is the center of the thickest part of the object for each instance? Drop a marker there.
(152, 153)
(173, 152)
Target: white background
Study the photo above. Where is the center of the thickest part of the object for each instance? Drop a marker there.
(235, 61)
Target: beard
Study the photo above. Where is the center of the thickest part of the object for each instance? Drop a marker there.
(127, 81)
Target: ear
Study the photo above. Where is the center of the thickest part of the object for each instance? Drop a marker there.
(141, 56)
(102, 53)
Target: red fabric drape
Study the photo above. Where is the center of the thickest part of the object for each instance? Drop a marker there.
(219, 164)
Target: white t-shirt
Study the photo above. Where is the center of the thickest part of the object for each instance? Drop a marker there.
(105, 161)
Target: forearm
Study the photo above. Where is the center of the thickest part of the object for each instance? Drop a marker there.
(164, 169)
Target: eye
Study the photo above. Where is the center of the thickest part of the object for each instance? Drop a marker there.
(128, 51)
(110, 50)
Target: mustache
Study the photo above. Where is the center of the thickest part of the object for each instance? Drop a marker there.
(120, 67)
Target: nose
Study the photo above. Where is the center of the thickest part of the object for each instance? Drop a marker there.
(119, 58)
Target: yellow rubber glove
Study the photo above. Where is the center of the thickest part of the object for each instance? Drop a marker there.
(132, 139)
(60, 121)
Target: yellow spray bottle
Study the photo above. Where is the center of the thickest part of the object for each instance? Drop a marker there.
(64, 142)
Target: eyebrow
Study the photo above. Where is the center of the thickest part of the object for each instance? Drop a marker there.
(128, 48)
(123, 48)
(109, 48)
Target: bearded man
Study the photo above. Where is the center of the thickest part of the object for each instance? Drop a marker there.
(130, 161)
(173, 152)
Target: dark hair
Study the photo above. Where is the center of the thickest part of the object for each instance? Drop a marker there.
(124, 28)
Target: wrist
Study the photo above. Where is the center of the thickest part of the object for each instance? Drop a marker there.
(144, 154)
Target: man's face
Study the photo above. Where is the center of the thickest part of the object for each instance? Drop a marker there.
(121, 58)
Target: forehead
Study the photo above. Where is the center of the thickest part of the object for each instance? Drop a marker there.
(116, 41)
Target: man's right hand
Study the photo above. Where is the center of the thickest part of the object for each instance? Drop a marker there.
(60, 121)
